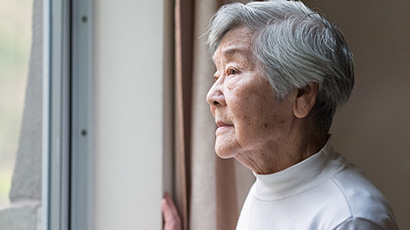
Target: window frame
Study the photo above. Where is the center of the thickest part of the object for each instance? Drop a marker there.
(68, 156)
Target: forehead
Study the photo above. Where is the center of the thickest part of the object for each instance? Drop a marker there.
(236, 42)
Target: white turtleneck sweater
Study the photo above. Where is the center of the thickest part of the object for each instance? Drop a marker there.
(323, 192)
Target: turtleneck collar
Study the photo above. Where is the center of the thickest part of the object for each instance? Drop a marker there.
(299, 177)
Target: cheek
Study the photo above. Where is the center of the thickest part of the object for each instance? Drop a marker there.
(258, 114)
(253, 110)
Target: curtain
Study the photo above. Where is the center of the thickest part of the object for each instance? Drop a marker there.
(208, 192)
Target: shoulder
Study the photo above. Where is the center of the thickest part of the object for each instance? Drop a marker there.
(367, 205)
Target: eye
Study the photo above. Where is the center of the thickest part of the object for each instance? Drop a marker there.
(232, 71)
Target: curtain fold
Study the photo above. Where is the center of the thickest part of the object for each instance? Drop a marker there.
(183, 95)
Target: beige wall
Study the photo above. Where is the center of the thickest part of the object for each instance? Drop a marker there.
(373, 129)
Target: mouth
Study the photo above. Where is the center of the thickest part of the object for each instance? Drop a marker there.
(222, 124)
(222, 127)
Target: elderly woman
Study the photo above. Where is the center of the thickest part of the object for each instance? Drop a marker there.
(282, 70)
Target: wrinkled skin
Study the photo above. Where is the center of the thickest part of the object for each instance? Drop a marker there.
(254, 126)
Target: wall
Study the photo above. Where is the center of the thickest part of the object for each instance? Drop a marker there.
(130, 78)
(373, 129)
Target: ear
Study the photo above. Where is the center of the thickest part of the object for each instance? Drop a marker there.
(305, 100)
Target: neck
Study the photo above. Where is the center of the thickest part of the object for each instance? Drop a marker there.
(285, 151)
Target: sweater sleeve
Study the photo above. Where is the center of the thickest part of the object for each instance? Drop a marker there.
(359, 224)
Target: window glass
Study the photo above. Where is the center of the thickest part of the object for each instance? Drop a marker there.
(15, 44)
(20, 114)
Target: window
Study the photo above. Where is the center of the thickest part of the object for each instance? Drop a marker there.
(67, 95)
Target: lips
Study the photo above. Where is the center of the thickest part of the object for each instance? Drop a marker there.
(222, 124)
(222, 127)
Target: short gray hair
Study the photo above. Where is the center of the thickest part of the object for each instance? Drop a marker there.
(295, 46)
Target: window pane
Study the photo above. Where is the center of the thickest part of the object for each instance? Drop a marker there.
(15, 43)
(20, 113)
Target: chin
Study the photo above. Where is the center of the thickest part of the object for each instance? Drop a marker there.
(224, 153)
(224, 156)
(226, 147)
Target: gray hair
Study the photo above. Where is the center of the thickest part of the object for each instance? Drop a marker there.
(295, 46)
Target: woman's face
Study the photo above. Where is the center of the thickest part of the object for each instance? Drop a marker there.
(250, 119)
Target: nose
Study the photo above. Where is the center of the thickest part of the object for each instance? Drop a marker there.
(215, 96)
